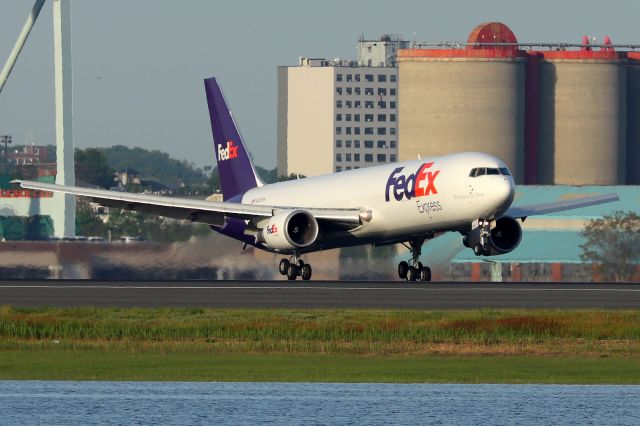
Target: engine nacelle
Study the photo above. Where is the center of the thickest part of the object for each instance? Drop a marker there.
(505, 236)
(289, 230)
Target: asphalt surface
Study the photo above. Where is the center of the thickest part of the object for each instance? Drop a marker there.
(317, 294)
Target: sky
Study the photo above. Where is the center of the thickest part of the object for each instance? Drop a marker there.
(138, 65)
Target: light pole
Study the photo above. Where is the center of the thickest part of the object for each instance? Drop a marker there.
(6, 140)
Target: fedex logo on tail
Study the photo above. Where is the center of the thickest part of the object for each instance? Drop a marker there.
(418, 184)
(231, 151)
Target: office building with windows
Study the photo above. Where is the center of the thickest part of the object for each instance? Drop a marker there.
(336, 115)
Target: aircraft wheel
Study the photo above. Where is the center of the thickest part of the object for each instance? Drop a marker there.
(412, 274)
(300, 263)
(403, 267)
(478, 249)
(306, 272)
(425, 274)
(292, 272)
(465, 241)
(283, 267)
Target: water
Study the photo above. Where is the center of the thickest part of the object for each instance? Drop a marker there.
(39, 402)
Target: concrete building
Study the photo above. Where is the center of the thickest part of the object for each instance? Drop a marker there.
(565, 114)
(336, 115)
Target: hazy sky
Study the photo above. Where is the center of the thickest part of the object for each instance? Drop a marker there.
(138, 65)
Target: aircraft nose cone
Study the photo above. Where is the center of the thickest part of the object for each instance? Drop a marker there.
(504, 193)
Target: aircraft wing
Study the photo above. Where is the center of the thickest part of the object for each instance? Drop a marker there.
(209, 212)
(523, 212)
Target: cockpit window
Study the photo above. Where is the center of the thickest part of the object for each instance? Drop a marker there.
(479, 171)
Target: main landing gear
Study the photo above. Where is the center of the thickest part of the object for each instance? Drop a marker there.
(295, 267)
(414, 270)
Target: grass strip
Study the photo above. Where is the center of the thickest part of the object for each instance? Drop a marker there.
(73, 365)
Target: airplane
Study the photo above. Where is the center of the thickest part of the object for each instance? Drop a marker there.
(402, 203)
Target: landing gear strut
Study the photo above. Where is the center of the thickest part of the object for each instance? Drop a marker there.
(295, 267)
(414, 270)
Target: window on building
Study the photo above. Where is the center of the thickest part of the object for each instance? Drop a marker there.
(349, 90)
(382, 91)
(368, 91)
(356, 143)
(356, 77)
(348, 167)
(356, 117)
(392, 117)
(347, 158)
(368, 77)
(339, 158)
(392, 91)
(349, 77)
(356, 130)
(382, 130)
(382, 144)
(357, 91)
(392, 158)
(348, 104)
(368, 104)
(382, 117)
(368, 130)
(368, 144)
(382, 104)
(347, 117)
(338, 90)
(382, 78)
(356, 104)
(338, 77)
(348, 144)
(368, 158)
(338, 104)
(382, 158)
(338, 130)
(338, 117)
(348, 131)
(392, 130)
(392, 78)
(392, 144)
(338, 143)
(356, 157)
(392, 104)
(338, 169)
(368, 117)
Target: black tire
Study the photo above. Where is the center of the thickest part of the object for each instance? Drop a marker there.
(292, 272)
(403, 267)
(465, 241)
(412, 274)
(283, 266)
(425, 274)
(305, 272)
(420, 266)
(300, 263)
(478, 250)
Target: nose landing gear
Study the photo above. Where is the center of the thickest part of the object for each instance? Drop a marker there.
(414, 270)
(295, 267)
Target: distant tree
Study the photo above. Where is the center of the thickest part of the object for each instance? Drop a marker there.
(613, 245)
(91, 166)
(267, 176)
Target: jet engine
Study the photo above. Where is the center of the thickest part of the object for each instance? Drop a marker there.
(289, 230)
(502, 238)
(505, 236)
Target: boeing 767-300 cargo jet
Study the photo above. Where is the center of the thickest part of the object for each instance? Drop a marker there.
(409, 202)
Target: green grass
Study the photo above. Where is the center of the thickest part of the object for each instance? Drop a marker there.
(482, 346)
(79, 365)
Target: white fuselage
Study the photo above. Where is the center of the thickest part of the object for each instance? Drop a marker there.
(405, 199)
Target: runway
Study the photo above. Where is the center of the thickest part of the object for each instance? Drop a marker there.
(317, 294)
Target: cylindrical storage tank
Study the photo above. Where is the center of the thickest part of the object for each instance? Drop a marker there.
(633, 118)
(583, 102)
(456, 100)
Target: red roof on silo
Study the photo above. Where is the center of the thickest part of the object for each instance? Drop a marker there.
(460, 53)
(633, 56)
(492, 32)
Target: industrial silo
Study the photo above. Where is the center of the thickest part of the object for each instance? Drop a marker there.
(633, 118)
(455, 100)
(582, 133)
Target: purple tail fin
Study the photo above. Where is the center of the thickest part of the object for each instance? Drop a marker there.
(237, 174)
